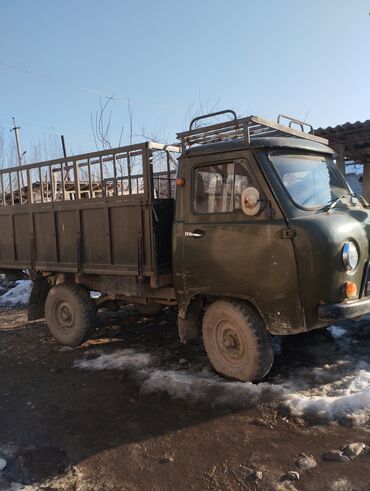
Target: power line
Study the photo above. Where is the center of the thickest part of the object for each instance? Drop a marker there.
(25, 70)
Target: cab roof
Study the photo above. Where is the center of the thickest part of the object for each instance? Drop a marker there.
(250, 132)
(260, 144)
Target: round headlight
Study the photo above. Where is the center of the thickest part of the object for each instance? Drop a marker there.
(350, 256)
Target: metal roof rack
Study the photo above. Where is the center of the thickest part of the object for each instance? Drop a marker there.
(247, 129)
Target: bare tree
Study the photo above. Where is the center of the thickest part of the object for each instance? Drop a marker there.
(101, 124)
(157, 134)
(46, 148)
(199, 108)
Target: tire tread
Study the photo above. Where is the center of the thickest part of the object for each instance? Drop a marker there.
(265, 353)
(86, 306)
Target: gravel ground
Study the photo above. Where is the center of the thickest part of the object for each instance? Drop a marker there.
(133, 409)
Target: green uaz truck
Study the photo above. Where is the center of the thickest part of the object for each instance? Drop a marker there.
(247, 226)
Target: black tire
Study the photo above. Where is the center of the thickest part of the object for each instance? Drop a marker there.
(236, 340)
(70, 314)
(149, 309)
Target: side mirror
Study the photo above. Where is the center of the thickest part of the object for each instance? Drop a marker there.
(250, 201)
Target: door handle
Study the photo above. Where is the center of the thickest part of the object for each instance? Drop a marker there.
(197, 234)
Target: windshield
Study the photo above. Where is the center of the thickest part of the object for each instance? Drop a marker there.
(312, 181)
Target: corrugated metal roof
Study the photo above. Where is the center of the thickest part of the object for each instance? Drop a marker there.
(343, 127)
(354, 136)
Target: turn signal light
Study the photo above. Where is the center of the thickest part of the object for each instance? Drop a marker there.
(350, 289)
(180, 182)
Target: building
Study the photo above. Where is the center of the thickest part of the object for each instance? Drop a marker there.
(351, 141)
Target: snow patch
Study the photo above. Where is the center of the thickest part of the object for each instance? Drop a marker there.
(206, 387)
(337, 331)
(18, 295)
(95, 295)
(348, 399)
(126, 359)
(203, 386)
(333, 386)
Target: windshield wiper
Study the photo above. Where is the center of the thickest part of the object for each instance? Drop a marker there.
(332, 203)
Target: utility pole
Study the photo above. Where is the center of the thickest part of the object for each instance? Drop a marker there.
(18, 142)
(63, 146)
(65, 156)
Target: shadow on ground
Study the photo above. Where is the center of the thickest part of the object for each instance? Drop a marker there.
(54, 416)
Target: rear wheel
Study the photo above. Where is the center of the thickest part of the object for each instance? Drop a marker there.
(149, 309)
(236, 340)
(70, 314)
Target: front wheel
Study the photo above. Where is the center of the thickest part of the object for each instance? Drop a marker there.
(70, 314)
(236, 340)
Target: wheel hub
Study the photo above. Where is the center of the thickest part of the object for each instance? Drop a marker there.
(230, 343)
(64, 315)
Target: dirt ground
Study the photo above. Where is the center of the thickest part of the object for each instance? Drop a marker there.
(65, 427)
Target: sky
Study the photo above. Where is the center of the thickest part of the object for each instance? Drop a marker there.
(166, 60)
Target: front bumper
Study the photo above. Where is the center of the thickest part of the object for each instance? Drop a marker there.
(331, 312)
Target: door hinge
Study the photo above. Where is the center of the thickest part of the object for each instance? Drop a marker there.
(288, 233)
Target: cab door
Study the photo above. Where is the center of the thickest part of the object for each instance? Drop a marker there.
(229, 253)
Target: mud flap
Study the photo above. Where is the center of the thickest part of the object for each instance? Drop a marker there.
(36, 304)
(190, 327)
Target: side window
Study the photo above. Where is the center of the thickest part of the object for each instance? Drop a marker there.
(218, 187)
(241, 181)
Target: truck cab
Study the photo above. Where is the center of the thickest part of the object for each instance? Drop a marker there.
(268, 239)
